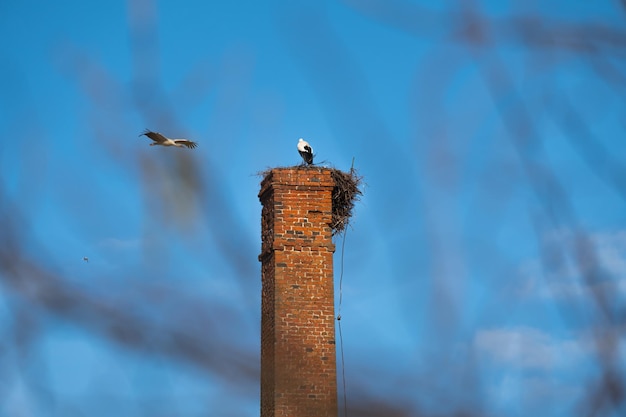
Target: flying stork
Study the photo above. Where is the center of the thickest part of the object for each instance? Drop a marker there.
(159, 139)
(305, 150)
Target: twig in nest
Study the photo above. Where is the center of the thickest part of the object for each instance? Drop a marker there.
(345, 194)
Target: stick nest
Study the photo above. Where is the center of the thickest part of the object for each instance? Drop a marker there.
(345, 194)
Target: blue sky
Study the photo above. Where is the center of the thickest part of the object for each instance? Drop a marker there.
(485, 269)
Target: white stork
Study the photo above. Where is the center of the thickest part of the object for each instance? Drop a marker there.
(159, 139)
(305, 150)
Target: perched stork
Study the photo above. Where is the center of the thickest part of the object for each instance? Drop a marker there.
(306, 152)
(159, 139)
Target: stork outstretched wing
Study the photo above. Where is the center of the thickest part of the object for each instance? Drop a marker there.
(185, 142)
(155, 136)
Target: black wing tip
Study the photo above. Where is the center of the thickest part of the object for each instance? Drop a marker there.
(307, 157)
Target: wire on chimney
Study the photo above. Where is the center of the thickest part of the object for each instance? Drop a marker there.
(343, 367)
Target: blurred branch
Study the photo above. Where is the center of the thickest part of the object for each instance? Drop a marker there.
(473, 28)
(553, 198)
(603, 163)
(119, 320)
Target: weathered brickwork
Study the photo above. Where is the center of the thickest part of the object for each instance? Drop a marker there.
(298, 363)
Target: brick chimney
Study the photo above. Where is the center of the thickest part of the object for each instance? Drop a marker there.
(298, 362)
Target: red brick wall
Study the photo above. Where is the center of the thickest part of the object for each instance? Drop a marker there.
(298, 363)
